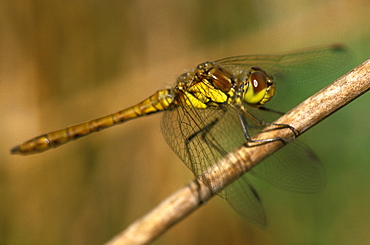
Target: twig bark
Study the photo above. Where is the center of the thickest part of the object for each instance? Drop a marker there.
(191, 196)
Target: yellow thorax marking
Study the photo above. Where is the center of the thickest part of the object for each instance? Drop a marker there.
(205, 92)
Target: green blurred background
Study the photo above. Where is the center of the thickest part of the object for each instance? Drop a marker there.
(64, 62)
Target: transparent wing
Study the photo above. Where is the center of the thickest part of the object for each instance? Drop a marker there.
(195, 136)
(201, 137)
(244, 199)
(297, 75)
(294, 167)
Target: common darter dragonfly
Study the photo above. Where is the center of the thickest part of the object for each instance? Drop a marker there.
(218, 107)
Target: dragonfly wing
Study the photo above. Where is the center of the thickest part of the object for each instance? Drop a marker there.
(294, 167)
(244, 199)
(296, 75)
(213, 134)
(201, 137)
(318, 62)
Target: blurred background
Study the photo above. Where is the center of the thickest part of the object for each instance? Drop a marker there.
(65, 62)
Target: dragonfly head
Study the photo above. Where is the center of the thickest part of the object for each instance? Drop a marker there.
(259, 87)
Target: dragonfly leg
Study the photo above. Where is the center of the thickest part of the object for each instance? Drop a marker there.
(243, 120)
(293, 129)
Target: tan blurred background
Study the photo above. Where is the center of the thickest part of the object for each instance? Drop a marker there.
(64, 62)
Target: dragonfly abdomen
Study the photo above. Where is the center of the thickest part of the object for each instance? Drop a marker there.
(159, 101)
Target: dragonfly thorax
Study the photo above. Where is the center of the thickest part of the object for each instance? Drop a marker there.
(211, 85)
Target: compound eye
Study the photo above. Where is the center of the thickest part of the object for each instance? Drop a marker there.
(257, 88)
(259, 82)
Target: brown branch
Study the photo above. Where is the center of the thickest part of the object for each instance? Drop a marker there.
(303, 117)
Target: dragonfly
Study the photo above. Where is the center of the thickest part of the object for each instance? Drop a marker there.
(220, 106)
